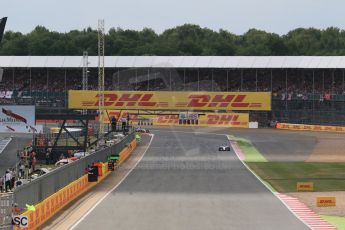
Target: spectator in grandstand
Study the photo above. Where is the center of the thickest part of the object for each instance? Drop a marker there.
(327, 96)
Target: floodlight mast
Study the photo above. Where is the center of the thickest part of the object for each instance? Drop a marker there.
(85, 71)
(85, 67)
(101, 75)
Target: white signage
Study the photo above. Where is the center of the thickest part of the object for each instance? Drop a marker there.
(188, 116)
(18, 119)
(6, 94)
(21, 221)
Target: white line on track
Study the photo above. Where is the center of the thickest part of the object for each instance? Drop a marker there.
(6, 142)
(219, 134)
(269, 189)
(117, 185)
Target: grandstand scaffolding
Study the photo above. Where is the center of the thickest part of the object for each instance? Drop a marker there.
(101, 74)
(85, 78)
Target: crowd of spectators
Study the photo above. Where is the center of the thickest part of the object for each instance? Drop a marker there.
(13, 176)
(51, 85)
(7, 181)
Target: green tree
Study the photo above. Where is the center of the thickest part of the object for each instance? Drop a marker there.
(187, 39)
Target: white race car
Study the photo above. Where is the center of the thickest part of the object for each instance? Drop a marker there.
(224, 148)
(141, 130)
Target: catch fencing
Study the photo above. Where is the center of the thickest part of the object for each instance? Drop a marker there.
(42, 187)
(6, 201)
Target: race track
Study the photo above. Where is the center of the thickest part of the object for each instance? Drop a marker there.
(183, 182)
(278, 145)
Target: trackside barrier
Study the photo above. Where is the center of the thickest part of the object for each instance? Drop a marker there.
(47, 207)
(318, 128)
(55, 202)
(44, 186)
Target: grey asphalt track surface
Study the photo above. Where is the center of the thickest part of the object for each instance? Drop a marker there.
(183, 182)
(281, 146)
(8, 158)
(274, 145)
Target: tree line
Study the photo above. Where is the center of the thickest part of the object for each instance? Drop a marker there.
(187, 39)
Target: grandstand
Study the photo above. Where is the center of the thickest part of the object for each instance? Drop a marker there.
(304, 89)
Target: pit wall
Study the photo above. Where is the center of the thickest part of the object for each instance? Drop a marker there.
(54, 203)
(48, 184)
(317, 128)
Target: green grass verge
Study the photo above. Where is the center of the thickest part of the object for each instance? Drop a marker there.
(337, 221)
(250, 152)
(283, 176)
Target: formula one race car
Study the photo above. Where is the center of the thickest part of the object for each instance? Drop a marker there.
(142, 130)
(224, 148)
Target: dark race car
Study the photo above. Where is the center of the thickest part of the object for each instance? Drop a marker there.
(224, 148)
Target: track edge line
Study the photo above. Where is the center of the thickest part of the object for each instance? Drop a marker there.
(111, 190)
(268, 188)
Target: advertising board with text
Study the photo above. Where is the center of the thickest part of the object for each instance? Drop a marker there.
(317, 128)
(234, 120)
(239, 120)
(155, 100)
(326, 201)
(18, 119)
(305, 186)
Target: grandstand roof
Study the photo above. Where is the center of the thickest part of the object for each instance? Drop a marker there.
(304, 62)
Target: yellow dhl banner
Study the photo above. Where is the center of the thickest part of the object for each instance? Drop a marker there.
(319, 128)
(239, 120)
(305, 186)
(154, 100)
(233, 120)
(326, 201)
(134, 115)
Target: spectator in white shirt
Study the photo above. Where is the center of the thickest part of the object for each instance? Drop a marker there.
(8, 177)
(22, 170)
(124, 123)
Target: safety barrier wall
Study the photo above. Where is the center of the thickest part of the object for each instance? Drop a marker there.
(318, 128)
(44, 186)
(55, 202)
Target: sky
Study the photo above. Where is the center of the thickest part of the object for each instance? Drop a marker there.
(236, 16)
